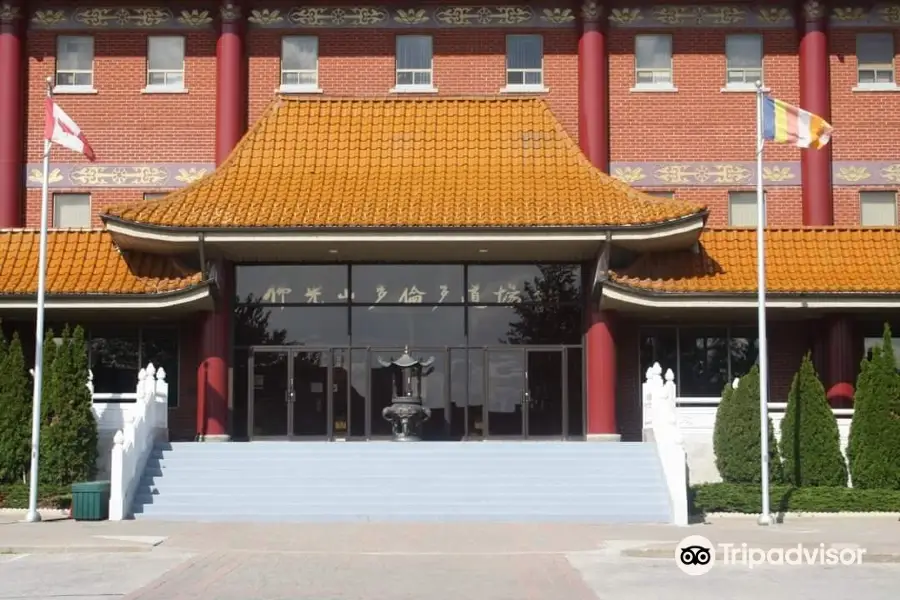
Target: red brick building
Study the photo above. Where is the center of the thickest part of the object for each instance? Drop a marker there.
(660, 97)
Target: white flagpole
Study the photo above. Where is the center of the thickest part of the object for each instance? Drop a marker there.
(764, 517)
(33, 516)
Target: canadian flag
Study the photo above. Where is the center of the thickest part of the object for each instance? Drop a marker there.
(59, 128)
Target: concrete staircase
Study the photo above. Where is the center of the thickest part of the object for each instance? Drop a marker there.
(385, 481)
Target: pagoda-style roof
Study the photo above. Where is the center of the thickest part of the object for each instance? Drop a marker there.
(85, 269)
(407, 165)
(811, 268)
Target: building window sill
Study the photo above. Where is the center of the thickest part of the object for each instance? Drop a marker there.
(654, 88)
(299, 89)
(524, 89)
(743, 88)
(74, 89)
(159, 89)
(884, 87)
(413, 89)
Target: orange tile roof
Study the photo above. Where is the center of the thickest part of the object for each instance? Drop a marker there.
(812, 261)
(85, 263)
(482, 162)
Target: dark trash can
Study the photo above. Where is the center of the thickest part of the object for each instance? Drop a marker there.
(90, 501)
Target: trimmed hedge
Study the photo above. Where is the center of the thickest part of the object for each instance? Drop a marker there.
(49, 497)
(746, 498)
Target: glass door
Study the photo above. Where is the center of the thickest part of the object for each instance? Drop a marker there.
(311, 406)
(505, 392)
(545, 399)
(269, 393)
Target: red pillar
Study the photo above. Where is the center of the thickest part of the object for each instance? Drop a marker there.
(213, 371)
(815, 165)
(12, 114)
(844, 353)
(593, 136)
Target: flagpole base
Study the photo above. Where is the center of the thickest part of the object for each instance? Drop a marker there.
(764, 520)
(32, 516)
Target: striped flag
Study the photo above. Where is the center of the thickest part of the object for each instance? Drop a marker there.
(785, 123)
(59, 128)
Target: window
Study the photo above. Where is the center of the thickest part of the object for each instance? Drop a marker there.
(875, 59)
(742, 209)
(299, 62)
(155, 195)
(743, 60)
(71, 211)
(414, 61)
(653, 61)
(878, 208)
(75, 61)
(165, 62)
(659, 194)
(116, 356)
(524, 61)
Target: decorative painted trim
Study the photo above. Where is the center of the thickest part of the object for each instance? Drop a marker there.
(118, 18)
(9, 13)
(639, 16)
(152, 175)
(743, 173)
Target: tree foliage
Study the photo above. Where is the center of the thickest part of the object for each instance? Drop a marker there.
(810, 440)
(15, 412)
(736, 437)
(873, 449)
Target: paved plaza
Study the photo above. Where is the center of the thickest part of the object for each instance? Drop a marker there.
(141, 560)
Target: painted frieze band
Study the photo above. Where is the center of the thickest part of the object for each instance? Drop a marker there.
(739, 174)
(639, 174)
(155, 175)
(431, 16)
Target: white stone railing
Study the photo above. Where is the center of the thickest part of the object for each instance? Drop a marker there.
(696, 419)
(145, 422)
(661, 428)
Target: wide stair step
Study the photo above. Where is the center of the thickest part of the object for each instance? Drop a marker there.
(383, 481)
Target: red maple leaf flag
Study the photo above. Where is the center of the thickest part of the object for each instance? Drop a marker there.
(59, 128)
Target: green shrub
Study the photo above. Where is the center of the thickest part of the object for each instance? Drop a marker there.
(810, 440)
(736, 435)
(873, 449)
(51, 417)
(747, 499)
(15, 413)
(69, 438)
(49, 497)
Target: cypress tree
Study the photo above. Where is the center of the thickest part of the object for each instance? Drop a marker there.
(721, 428)
(15, 414)
(873, 449)
(81, 424)
(52, 455)
(810, 440)
(738, 455)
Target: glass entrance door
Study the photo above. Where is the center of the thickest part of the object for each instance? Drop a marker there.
(290, 393)
(526, 393)
(505, 393)
(545, 403)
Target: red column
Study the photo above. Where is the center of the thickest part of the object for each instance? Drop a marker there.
(842, 358)
(213, 371)
(593, 88)
(12, 114)
(593, 136)
(815, 165)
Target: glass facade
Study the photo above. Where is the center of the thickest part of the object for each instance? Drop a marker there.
(506, 340)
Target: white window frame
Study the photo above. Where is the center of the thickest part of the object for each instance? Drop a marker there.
(303, 88)
(878, 197)
(876, 68)
(524, 87)
(750, 75)
(655, 86)
(413, 88)
(61, 195)
(166, 88)
(74, 89)
(742, 195)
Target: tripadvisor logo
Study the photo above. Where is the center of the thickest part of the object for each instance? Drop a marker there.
(696, 555)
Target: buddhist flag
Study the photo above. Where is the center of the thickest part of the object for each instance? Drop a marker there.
(785, 123)
(59, 128)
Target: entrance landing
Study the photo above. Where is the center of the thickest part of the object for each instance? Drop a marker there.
(414, 482)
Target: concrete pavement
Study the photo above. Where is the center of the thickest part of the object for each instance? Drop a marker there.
(434, 561)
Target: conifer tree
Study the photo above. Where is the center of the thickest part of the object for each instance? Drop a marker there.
(810, 440)
(15, 413)
(81, 425)
(738, 455)
(721, 428)
(873, 449)
(51, 420)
